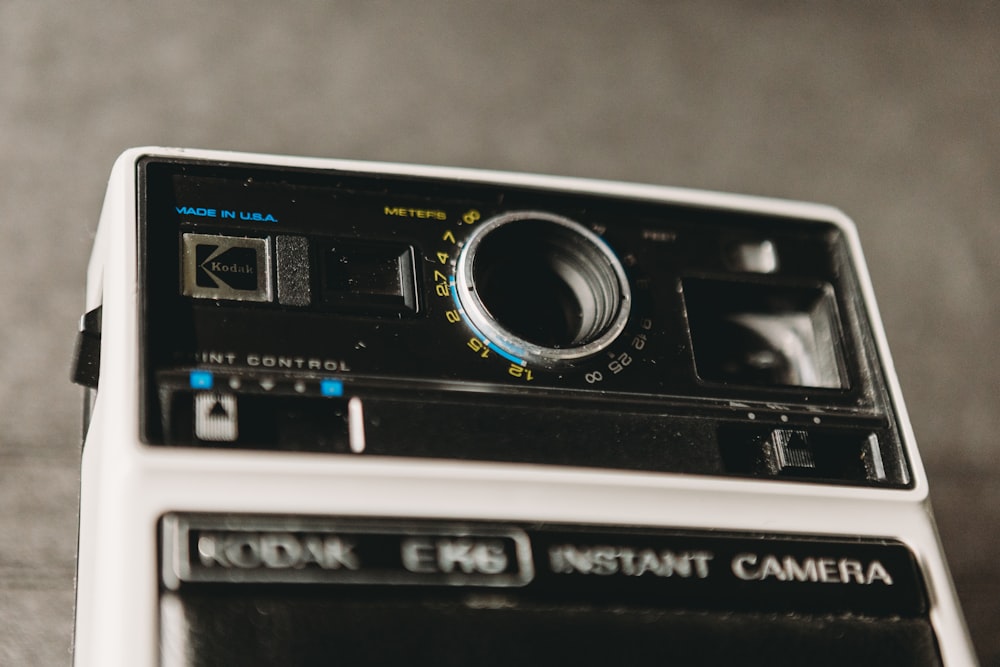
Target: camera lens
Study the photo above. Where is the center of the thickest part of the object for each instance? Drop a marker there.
(543, 286)
(554, 292)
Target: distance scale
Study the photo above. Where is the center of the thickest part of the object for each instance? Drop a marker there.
(544, 293)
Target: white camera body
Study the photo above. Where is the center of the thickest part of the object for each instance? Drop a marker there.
(287, 458)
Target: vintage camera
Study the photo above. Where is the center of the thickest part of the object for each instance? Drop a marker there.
(383, 414)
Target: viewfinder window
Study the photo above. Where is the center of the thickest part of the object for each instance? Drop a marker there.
(763, 334)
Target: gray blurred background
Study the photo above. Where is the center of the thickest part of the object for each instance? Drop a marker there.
(891, 112)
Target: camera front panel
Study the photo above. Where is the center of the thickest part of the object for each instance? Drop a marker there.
(369, 314)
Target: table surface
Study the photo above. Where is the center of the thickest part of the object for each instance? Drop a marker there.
(890, 113)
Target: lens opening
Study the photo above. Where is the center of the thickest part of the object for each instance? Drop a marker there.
(543, 285)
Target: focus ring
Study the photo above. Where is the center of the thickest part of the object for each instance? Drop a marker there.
(542, 287)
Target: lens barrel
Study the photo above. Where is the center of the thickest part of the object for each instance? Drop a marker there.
(543, 286)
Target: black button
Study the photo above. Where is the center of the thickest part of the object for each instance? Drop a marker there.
(87, 356)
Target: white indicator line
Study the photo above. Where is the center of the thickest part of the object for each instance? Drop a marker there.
(356, 425)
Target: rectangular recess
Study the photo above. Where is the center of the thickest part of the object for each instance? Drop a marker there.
(847, 455)
(369, 277)
(772, 335)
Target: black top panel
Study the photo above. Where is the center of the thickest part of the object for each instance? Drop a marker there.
(280, 294)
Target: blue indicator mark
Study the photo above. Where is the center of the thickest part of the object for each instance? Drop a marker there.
(454, 296)
(334, 388)
(201, 380)
(461, 311)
